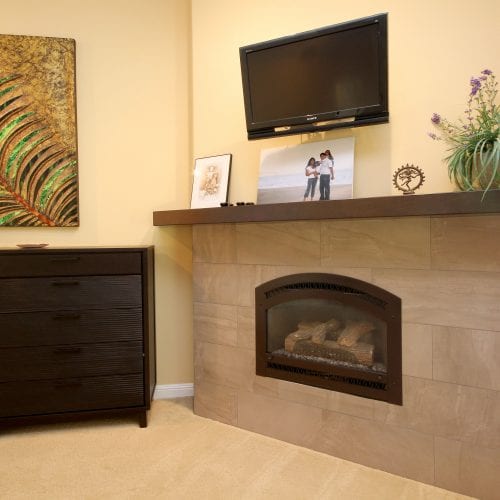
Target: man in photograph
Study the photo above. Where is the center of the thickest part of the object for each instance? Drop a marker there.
(325, 176)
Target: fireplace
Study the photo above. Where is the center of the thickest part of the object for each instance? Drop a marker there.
(445, 433)
(330, 331)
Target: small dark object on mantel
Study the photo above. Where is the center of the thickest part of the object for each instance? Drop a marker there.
(408, 178)
(32, 245)
(238, 203)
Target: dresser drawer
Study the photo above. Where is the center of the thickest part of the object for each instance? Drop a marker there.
(77, 394)
(52, 294)
(86, 326)
(53, 263)
(69, 361)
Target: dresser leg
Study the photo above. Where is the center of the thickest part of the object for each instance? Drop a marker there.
(143, 419)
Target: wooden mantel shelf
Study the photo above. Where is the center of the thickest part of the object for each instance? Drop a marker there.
(387, 206)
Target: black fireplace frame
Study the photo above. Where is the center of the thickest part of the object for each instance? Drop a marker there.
(353, 292)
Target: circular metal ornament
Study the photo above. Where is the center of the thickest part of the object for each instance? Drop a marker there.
(408, 178)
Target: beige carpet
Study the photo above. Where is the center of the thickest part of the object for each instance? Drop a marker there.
(182, 456)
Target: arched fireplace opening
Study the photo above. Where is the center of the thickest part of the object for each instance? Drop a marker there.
(330, 331)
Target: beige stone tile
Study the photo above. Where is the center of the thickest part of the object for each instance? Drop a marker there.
(304, 394)
(447, 298)
(468, 469)
(360, 273)
(215, 323)
(268, 273)
(447, 410)
(246, 327)
(229, 284)
(266, 386)
(216, 402)
(291, 422)
(224, 365)
(385, 243)
(469, 243)
(278, 243)
(401, 451)
(248, 277)
(215, 283)
(467, 357)
(350, 404)
(417, 350)
(214, 243)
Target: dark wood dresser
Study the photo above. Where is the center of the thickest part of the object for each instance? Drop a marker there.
(77, 333)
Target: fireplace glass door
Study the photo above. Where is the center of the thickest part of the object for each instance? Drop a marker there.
(330, 331)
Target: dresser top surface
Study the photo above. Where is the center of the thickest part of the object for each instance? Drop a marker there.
(53, 249)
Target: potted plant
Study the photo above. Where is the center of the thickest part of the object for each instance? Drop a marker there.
(473, 163)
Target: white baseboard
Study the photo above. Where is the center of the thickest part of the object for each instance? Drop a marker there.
(171, 391)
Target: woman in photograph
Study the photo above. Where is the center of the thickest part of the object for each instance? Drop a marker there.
(312, 179)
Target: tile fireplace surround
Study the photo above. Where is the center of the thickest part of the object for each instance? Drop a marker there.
(446, 270)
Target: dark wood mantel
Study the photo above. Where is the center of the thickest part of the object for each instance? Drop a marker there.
(387, 206)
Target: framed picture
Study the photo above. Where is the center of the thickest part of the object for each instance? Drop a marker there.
(38, 160)
(307, 172)
(210, 181)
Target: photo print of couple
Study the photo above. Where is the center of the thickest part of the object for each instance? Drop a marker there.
(307, 172)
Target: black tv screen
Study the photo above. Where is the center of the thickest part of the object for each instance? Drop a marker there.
(326, 78)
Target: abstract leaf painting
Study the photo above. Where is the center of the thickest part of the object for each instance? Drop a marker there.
(38, 140)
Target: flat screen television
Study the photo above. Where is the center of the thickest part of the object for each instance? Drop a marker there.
(326, 78)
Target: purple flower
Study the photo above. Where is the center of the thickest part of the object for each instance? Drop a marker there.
(436, 119)
(475, 84)
(479, 116)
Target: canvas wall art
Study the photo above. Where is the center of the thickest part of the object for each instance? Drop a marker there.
(38, 139)
(307, 172)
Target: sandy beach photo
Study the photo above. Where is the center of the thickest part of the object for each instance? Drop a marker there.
(287, 194)
(307, 172)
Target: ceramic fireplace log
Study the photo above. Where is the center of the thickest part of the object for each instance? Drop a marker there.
(319, 333)
(353, 331)
(315, 331)
(360, 353)
(304, 332)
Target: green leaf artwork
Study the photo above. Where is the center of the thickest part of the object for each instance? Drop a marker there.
(38, 154)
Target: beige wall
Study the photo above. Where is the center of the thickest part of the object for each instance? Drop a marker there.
(138, 137)
(434, 48)
(133, 102)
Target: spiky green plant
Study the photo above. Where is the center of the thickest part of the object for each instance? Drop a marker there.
(38, 174)
(474, 159)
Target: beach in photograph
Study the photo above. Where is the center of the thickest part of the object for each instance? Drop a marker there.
(296, 193)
